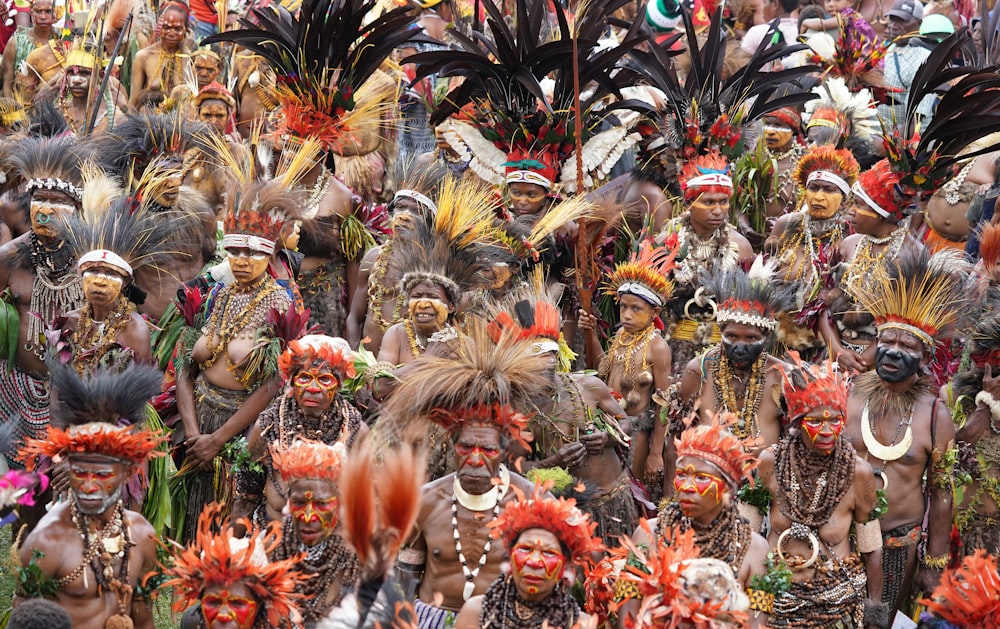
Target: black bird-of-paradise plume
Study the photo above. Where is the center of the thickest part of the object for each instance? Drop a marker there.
(705, 112)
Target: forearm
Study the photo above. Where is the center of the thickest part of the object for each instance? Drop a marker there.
(873, 571)
(185, 403)
(142, 614)
(595, 353)
(658, 436)
(828, 330)
(248, 411)
(939, 522)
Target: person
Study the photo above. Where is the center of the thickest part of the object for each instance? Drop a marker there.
(908, 50)
(26, 39)
(788, 27)
(711, 466)
(90, 553)
(802, 241)
(575, 420)
(225, 377)
(311, 407)
(738, 375)
(844, 17)
(207, 67)
(216, 108)
(311, 531)
(228, 581)
(904, 17)
(820, 487)
(712, 243)
(895, 420)
(637, 364)
(37, 267)
(375, 307)
(843, 118)
(480, 398)
(784, 146)
(966, 596)
(39, 613)
(546, 538)
(162, 65)
(74, 99)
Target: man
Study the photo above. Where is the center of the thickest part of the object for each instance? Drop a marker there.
(311, 530)
(712, 243)
(711, 466)
(207, 67)
(34, 34)
(575, 422)
(820, 488)
(479, 398)
(93, 550)
(164, 63)
(74, 102)
(38, 270)
(738, 375)
(311, 407)
(206, 170)
(897, 423)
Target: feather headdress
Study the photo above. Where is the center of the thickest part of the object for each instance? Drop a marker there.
(705, 174)
(48, 164)
(12, 114)
(853, 56)
(322, 57)
(807, 387)
(447, 253)
(257, 212)
(845, 113)
(558, 516)
(317, 351)
(749, 297)
(915, 294)
(969, 596)
(98, 413)
(310, 460)
(647, 273)
(488, 383)
(714, 443)
(705, 113)
(222, 560)
(525, 133)
(528, 247)
(830, 164)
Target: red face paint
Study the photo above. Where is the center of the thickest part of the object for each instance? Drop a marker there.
(476, 455)
(828, 426)
(224, 607)
(530, 558)
(308, 509)
(705, 484)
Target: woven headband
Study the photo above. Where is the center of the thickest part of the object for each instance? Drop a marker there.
(710, 179)
(247, 241)
(107, 257)
(829, 177)
(641, 291)
(528, 176)
(924, 337)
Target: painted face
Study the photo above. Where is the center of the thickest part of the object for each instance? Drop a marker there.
(822, 428)
(214, 113)
(777, 135)
(48, 208)
(96, 484)
(315, 510)
(823, 199)
(173, 27)
(290, 235)
(230, 606)
(537, 563)
(636, 313)
(700, 487)
(742, 343)
(206, 70)
(863, 219)
(898, 355)
(479, 452)
(314, 390)
(78, 80)
(42, 13)
(102, 285)
(429, 306)
(247, 265)
(169, 178)
(709, 212)
(526, 198)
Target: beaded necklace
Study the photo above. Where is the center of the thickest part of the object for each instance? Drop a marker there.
(504, 608)
(318, 192)
(703, 254)
(727, 538)
(746, 426)
(623, 351)
(91, 340)
(470, 575)
(377, 287)
(417, 347)
(168, 68)
(813, 235)
(330, 562)
(807, 495)
(794, 152)
(231, 316)
(55, 289)
(579, 409)
(865, 262)
(100, 548)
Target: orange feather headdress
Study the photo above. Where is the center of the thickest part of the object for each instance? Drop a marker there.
(219, 559)
(646, 274)
(822, 161)
(559, 516)
(256, 214)
(715, 444)
(969, 596)
(317, 350)
(310, 460)
(122, 443)
(807, 387)
(705, 174)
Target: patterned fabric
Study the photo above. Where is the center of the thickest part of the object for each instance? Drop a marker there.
(24, 400)
(901, 63)
(430, 617)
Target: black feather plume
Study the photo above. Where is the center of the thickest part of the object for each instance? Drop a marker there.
(105, 395)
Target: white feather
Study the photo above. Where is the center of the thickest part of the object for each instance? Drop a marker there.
(486, 160)
(762, 270)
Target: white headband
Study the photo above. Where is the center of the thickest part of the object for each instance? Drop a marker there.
(860, 192)
(106, 257)
(528, 176)
(710, 179)
(745, 318)
(640, 291)
(246, 241)
(421, 199)
(828, 177)
(52, 183)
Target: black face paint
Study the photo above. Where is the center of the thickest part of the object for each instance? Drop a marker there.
(901, 366)
(742, 355)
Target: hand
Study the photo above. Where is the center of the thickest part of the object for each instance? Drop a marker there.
(203, 448)
(594, 441)
(60, 478)
(927, 580)
(991, 384)
(850, 361)
(653, 469)
(571, 455)
(586, 321)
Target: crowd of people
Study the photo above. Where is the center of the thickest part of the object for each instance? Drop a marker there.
(502, 314)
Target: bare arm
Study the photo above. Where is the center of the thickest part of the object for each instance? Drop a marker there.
(468, 617)
(185, 401)
(142, 610)
(940, 513)
(7, 66)
(660, 358)
(138, 84)
(359, 304)
(865, 502)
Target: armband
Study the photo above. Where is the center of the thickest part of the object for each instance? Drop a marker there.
(868, 536)
(936, 563)
(761, 600)
(412, 557)
(987, 399)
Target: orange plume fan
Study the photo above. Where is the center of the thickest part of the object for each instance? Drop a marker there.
(989, 250)
(969, 596)
(357, 496)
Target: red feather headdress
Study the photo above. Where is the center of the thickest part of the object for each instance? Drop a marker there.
(124, 443)
(306, 459)
(317, 350)
(969, 596)
(827, 158)
(705, 174)
(559, 516)
(649, 267)
(715, 444)
(807, 387)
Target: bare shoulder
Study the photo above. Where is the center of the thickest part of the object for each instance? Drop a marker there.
(848, 245)
(142, 531)
(370, 257)
(746, 251)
